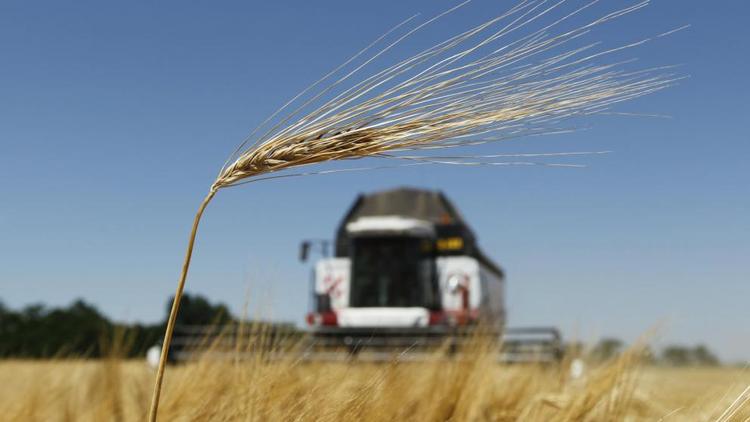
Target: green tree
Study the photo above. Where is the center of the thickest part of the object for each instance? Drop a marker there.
(703, 356)
(606, 349)
(677, 355)
(81, 330)
(197, 310)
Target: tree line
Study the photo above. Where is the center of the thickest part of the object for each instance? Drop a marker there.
(671, 355)
(80, 330)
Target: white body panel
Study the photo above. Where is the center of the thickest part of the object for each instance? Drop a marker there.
(383, 317)
(332, 279)
(466, 270)
(485, 290)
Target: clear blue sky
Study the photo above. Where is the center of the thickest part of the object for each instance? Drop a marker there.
(115, 117)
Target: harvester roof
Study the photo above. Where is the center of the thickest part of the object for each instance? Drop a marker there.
(454, 236)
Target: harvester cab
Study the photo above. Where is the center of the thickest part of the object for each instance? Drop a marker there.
(407, 273)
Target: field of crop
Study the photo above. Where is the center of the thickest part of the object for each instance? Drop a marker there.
(439, 389)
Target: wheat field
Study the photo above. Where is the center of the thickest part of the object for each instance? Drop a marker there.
(438, 389)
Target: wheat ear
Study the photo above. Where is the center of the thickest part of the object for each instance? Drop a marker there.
(464, 91)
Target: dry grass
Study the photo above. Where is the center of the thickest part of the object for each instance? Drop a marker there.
(476, 389)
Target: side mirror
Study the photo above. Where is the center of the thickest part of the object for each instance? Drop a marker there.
(304, 251)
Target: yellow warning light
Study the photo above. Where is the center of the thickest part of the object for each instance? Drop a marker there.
(450, 244)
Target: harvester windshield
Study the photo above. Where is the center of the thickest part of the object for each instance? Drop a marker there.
(393, 271)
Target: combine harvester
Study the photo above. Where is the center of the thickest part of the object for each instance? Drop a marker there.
(407, 276)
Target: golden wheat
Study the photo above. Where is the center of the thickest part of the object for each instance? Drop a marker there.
(438, 390)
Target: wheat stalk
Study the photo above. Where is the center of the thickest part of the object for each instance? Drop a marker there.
(479, 86)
